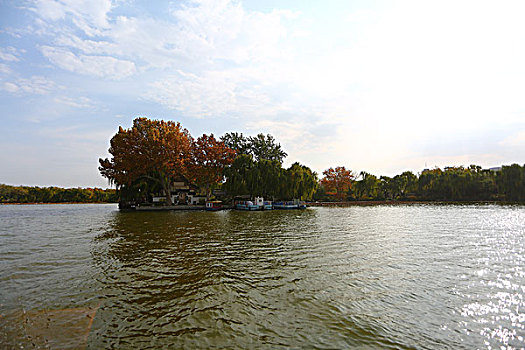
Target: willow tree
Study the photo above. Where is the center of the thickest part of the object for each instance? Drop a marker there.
(240, 176)
(301, 181)
(150, 149)
(267, 176)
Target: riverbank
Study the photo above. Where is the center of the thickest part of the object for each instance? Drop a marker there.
(47, 203)
(401, 202)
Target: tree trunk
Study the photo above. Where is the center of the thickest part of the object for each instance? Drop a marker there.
(166, 186)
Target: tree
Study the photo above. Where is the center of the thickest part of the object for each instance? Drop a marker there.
(267, 176)
(236, 142)
(403, 184)
(26, 194)
(152, 149)
(259, 147)
(301, 182)
(338, 181)
(367, 187)
(511, 181)
(239, 176)
(386, 187)
(265, 147)
(209, 159)
(257, 170)
(428, 183)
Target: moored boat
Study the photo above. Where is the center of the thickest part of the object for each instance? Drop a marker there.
(284, 205)
(295, 204)
(213, 205)
(262, 204)
(246, 205)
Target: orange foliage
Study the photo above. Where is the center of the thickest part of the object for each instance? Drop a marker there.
(337, 181)
(209, 158)
(150, 148)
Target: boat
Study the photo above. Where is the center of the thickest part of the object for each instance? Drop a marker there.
(262, 204)
(295, 204)
(284, 205)
(246, 205)
(213, 205)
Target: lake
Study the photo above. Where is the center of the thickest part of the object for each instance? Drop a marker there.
(399, 277)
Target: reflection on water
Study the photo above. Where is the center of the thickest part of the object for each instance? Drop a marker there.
(421, 276)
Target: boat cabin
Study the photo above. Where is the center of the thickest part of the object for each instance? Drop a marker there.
(213, 205)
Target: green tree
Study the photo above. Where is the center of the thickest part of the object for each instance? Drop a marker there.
(300, 182)
(265, 147)
(267, 175)
(511, 181)
(403, 184)
(237, 142)
(259, 147)
(240, 176)
(27, 194)
(367, 187)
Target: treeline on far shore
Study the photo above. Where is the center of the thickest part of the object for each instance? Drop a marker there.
(31, 194)
(506, 183)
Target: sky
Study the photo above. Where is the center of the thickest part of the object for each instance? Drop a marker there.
(376, 86)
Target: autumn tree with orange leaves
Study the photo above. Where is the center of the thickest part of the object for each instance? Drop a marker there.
(337, 182)
(150, 149)
(209, 159)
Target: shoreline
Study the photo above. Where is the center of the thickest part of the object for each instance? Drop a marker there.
(310, 204)
(49, 203)
(404, 202)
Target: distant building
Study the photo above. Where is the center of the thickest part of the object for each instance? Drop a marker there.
(183, 192)
(495, 169)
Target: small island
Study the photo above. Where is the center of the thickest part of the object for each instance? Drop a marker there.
(158, 164)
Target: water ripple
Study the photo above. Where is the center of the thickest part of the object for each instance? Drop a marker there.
(393, 277)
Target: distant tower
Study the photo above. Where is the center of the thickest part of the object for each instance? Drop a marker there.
(426, 168)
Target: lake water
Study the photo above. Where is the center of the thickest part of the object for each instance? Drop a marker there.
(400, 277)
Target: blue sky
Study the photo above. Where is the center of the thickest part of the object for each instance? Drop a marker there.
(379, 86)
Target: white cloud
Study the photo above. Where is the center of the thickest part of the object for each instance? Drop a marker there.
(214, 93)
(35, 85)
(515, 140)
(87, 46)
(79, 102)
(198, 34)
(89, 16)
(9, 54)
(223, 30)
(4, 69)
(101, 66)
(10, 87)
